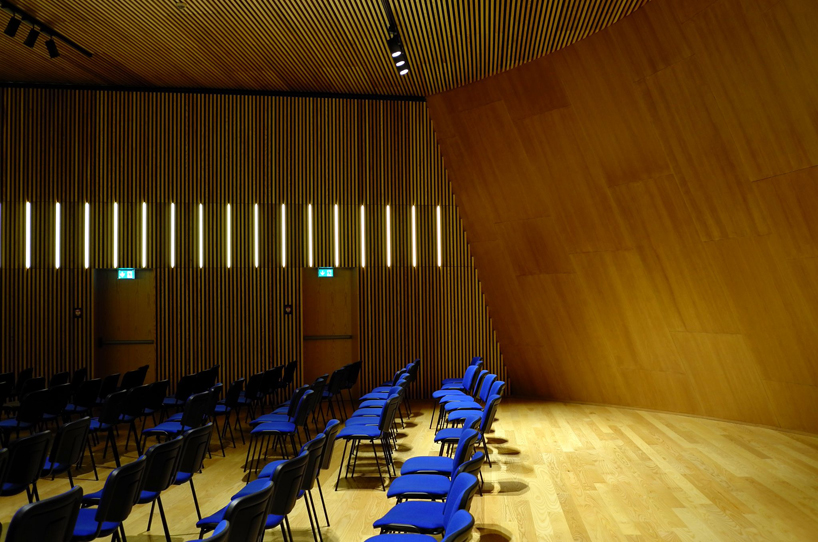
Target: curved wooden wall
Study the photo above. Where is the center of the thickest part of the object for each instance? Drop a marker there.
(640, 206)
(187, 149)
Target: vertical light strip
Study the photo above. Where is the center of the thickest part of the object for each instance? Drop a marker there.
(388, 240)
(414, 239)
(363, 238)
(309, 233)
(283, 236)
(144, 234)
(28, 235)
(172, 235)
(57, 235)
(116, 235)
(337, 248)
(255, 234)
(201, 236)
(87, 235)
(439, 242)
(228, 236)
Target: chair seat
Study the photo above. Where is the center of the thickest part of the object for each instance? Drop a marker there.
(12, 489)
(443, 393)
(362, 420)
(374, 395)
(164, 428)
(172, 401)
(96, 426)
(86, 527)
(54, 468)
(367, 412)
(182, 478)
(420, 486)
(270, 418)
(402, 537)
(92, 499)
(72, 408)
(372, 403)
(430, 464)
(450, 434)
(462, 405)
(222, 409)
(456, 398)
(274, 427)
(147, 496)
(460, 415)
(175, 417)
(12, 423)
(453, 386)
(419, 516)
(211, 521)
(270, 468)
(360, 431)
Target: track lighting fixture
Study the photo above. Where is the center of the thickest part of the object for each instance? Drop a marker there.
(11, 28)
(394, 43)
(51, 45)
(32, 37)
(395, 46)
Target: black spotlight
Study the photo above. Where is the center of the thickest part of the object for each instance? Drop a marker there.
(31, 39)
(395, 46)
(52, 48)
(11, 28)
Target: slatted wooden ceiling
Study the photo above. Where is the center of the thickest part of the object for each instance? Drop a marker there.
(297, 45)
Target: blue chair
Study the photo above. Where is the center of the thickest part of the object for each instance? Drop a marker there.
(29, 414)
(358, 433)
(118, 497)
(285, 412)
(107, 421)
(25, 463)
(333, 391)
(51, 519)
(497, 387)
(457, 388)
(69, 445)
(85, 398)
(109, 386)
(278, 432)
(195, 443)
(226, 408)
(433, 486)
(450, 435)
(184, 389)
(331, 431)
(220, 534)
(247, 515)
(353, 371)
(474, 361)
(458, 529)
(192, 417)
(434, 464)
(430, 517)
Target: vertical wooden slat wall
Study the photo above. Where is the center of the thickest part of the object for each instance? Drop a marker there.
(210, 150)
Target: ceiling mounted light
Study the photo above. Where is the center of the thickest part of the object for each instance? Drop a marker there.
(52, 48)
(32, 37)
(404, 71)
(395, 46)
(11, 28)
(400, 63)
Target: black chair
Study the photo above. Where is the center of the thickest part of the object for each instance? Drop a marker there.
(107, 421)
(22, 377)
(195, 444)
(184, 389)
(269, 384)
(4, 462)
(228, 406)
(108, 387)
(193, 416)
(69, 445)
(134, 378)
(79, 376)
(117, 499)
(58, 379)
(85, 398)
(29, 415)
(354, 370)
(287, 378)
(51, 519)
(6, 387)
(29, 386)
(333, 391)
(221, 534)
(156, 396)
(58, 398)
(7, 377)
(331, 432)
(26, 459)
(133, 408)
(247, 515)
(253, 395)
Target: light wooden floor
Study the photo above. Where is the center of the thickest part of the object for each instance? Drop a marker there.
(565, 472)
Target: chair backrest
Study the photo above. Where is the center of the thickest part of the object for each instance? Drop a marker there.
(231, 398)
(196, 410)
(121, 491)
(253, 391)
(6, 388)
(69, 442)
(58, 398)
(289, 373)
(157, 393)
(352, 375)
(22, 376)
(287, 482)
(133, 378)
(412, 370)
(485, 387)
(31, 385)
(459, 527)
(87, 392)
(475, 389)
(336, 381)
(314, 449)
(472, 421)
(468, 377)
(4, 463)
(136, 400)
(57, 379)
(210, 377)
(390, 407)
(221, 533)
(461, 493)
(162, 462)
(476, 360)
(51, 519)
(271, 378)
(295, 400)
(108, 385)
(303, 410)
(186, 387)
(32, 406)
(195, 443)
(27, 457)
(7, 377)
(473, 465)
(112, 407)
(465, 447)
(497, 388)
(79, 377)
(331, 431)
(319, 385)
(489, 412)
(247, 515)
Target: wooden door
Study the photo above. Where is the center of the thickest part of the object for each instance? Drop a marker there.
(330, 312)
(124, 322)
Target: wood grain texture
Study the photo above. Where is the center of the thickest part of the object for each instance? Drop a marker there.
(561, 472)
(212, 150)
(336, 47)
(673, 152)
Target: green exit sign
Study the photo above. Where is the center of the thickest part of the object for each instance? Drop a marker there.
(326, 272)
(126, 273)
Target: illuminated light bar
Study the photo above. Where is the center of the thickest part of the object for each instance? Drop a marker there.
(388, 240)
(201, 236)
(309, 233)
(28, 235)
(363, 238)
(228, 236)
(116, 234)
(255, 234)
(57, 235)
(439, 242)
(87, 235)
(172, 235)
(144, 234)
(414, 239)
(283, 236)
(337, 248)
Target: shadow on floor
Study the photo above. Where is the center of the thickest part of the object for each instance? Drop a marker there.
(506, 487)
(491, 532)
